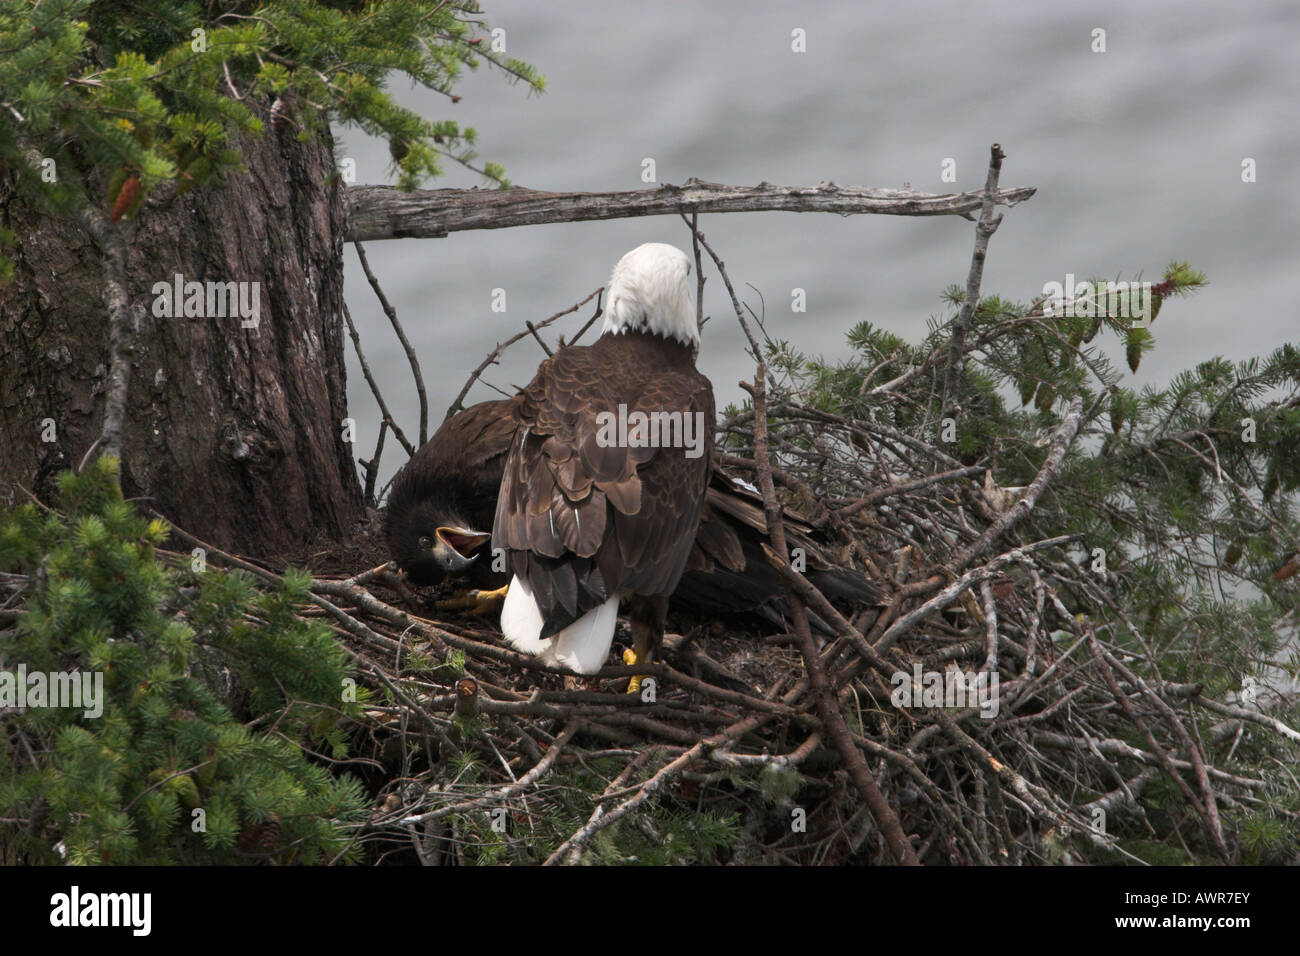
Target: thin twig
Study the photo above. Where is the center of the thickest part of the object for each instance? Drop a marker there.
(374, 386)
(492, 356)
(401, 337)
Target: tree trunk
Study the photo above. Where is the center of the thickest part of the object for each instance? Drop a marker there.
(235, 434)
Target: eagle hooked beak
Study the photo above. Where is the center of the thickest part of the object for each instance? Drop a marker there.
(453, 544)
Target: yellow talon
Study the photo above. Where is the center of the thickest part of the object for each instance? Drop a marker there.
(475, 602)
(630, 659)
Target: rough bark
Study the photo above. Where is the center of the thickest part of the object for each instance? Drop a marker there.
(235, 433)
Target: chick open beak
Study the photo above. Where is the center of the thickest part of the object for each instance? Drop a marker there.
(453, 546)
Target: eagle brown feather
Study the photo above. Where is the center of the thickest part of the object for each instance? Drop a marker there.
(581, 519)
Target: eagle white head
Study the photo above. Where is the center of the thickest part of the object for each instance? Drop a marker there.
(650, 291)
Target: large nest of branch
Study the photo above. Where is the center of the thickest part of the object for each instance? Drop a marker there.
(1002, 706)
(998, 723)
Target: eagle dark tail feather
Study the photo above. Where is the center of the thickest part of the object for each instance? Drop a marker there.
(730, 575)
(849, 586)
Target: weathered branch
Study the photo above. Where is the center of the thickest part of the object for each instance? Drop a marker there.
(114, 250)
(961, 325)
(1207, 808)
(382, 212)
(1061, 443)
(953, 591)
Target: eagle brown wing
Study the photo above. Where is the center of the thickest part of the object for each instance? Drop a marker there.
(480, 438)
(583, 517)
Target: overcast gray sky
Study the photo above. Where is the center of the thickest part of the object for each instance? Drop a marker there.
(1136, 152)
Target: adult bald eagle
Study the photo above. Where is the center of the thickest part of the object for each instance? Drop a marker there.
(441, 508)
(606, 477)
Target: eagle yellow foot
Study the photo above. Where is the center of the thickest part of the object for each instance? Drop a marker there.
(475, 602)
(630, 659)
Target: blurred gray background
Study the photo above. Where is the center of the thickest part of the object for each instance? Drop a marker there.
(1136, 154)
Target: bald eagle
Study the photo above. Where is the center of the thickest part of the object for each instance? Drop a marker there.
(446, 497)
(441, 508)
(606, 477)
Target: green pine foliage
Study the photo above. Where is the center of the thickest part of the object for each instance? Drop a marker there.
(158, 91)
(169, 772)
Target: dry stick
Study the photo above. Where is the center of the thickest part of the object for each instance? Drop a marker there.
(793, 758)
(958, 587)
(533, 329)
(905, 377)
(565, 850)
(369, 603)
(885, 491)
(1036, 798)
(778, 474)
(114, 250)
(504, 793)
(368, 575)
(532, 706)
(985, 228)
(1206, 808)
(374, 386)
(570, 849)
(401, 337)
(867, 428)
(991, 626)
(827, 702)
(809, 594)
(346, 621)
(929, 788)
(1031, 651)
(615, 786)
(382, 212)
(600, 310)
(876, 660)
(372, 466)
(412, 707)
(1061, 441)
(699, 268)
(1124, 795)
(492, 356)
(1263, 720)
(1113, 747)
